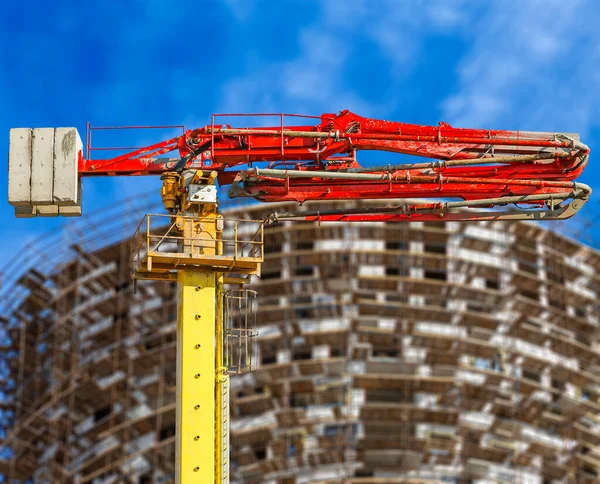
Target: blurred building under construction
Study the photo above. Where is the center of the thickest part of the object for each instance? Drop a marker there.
(418, 352)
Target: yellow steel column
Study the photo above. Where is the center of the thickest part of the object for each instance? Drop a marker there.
(202, 437)
(195, 452)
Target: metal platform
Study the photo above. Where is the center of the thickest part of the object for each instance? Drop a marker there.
(164, 244)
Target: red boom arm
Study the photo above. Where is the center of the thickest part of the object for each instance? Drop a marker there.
(485, 168)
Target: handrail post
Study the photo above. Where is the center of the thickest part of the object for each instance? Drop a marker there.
(282, 149)
(147, 233)
(235, 239)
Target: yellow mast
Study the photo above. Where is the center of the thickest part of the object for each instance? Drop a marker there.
(196, 423)
(203, 256)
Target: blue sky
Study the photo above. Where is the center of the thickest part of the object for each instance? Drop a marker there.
(498, 64)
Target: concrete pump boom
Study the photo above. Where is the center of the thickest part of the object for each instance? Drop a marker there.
(531, 171)
(490, 174)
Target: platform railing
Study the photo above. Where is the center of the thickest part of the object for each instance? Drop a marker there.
(163, 243)
(241, 307)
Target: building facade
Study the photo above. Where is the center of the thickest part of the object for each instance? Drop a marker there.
(418, 352)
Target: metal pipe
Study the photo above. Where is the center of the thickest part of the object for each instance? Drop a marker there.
(283, 174)
(440, 206)
(468, 162)
(580, 191)
(337, 135)
(317, 174)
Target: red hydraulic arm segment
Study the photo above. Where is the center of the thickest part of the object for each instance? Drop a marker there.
(531, 171)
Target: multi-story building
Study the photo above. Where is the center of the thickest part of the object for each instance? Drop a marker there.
(419, 352)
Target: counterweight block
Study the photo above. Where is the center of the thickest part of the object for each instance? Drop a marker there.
(43, 172)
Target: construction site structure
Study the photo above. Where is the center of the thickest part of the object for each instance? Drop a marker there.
(421, 352)
(489, 170)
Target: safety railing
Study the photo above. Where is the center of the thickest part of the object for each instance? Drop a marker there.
(240, 308)
(163, 244)
(114, 137)
(264, 119)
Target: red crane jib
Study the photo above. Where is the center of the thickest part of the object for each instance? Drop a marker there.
(319, 162)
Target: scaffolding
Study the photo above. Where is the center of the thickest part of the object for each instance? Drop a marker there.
(415, 352)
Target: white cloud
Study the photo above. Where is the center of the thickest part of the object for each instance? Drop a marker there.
(398, 28)
(241, 9)
(383, 38)
(312, 79)
(532, 65)
(446, 15)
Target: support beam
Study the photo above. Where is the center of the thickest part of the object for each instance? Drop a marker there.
(222, 395)
(195, 452)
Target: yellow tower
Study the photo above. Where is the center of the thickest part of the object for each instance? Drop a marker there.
(203, 252)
